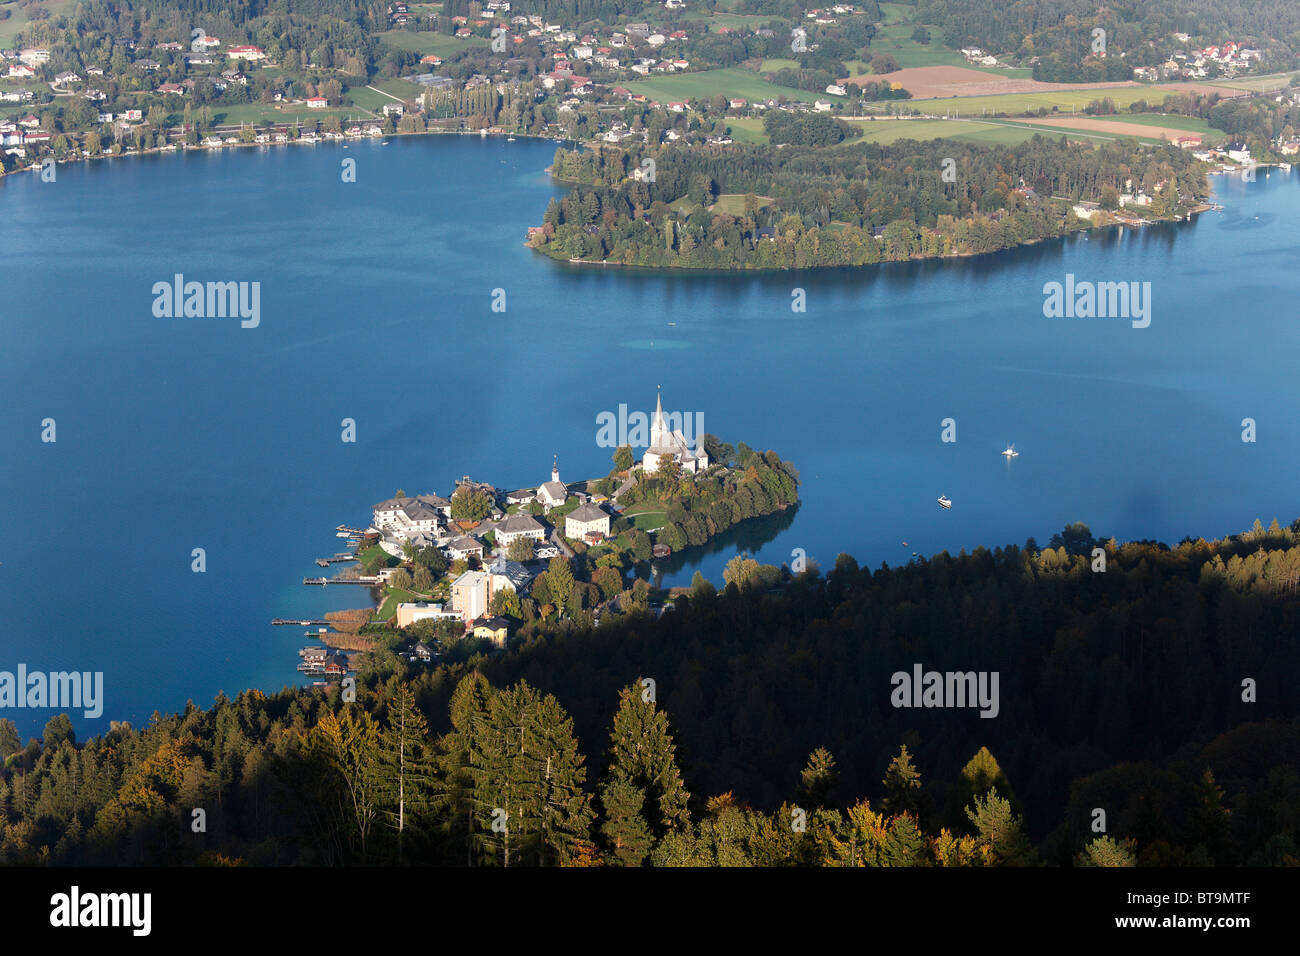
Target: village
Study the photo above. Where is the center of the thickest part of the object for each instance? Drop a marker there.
(463, 566)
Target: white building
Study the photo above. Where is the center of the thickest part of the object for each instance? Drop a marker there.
(666, 444)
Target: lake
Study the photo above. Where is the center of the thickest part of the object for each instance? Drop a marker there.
(376, 305)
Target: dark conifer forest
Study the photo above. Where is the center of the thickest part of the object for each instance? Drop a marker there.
(756, 725)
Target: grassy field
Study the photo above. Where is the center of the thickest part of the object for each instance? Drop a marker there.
(747, 130)
(649, 520)
(891, 131)
(395, 597)
(1014, 103)
(1191, 124)
(19, 21)
(733, 204)
(729, 82)
(1273, 81)
(272, 113)
(427, 42)
(732, 21)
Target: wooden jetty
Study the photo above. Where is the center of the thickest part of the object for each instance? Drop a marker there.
(370, 582)
(299, 621)
(340, 558)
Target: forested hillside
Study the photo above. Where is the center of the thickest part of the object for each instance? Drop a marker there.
(754, 726)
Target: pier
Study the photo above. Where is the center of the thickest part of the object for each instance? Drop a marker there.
(372, 582)
(339, 558)
(298, 621)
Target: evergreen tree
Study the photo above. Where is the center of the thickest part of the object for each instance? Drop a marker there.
(460, 762)
(406, 761)
(998, 827)
(624, 828)
(818, 780)
(902, 785)
(642, 753)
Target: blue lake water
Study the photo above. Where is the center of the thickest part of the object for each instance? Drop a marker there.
(175, 434)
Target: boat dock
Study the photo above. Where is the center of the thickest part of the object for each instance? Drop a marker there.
(298, 621)
(368, 581)
(339, 558)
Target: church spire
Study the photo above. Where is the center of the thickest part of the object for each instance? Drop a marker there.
(658, 427)
(555, 468)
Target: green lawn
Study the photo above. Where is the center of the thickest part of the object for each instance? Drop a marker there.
(733, 204)
(650, 520)
(395, 597)
(771, 66)
(427, 42)
(730, 82)
(274, 113)
(745, 129)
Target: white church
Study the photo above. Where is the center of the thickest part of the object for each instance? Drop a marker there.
(666, 444)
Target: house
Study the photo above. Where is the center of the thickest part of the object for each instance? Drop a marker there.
(250, 53)
(336, 666)
(1238, 152)
(465, 547)
(1188, 142)
(317, 102)
(665, 444)
(20, 71)
(469, 595)
(553, 493)
(34, 57)
(586, 519)
(410, 612)
(421, 652)
(508, 574)
(544, 549)
(494, 629)
(524, 495)
(393, 109)
(823, 106)
(1086, 210)
(431, 59)
(737, 103)
(518, 526)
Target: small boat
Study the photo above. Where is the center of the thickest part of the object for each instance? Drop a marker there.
(945, 501)
(1011, 452)
(510, 139)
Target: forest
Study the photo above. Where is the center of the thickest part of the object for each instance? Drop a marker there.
(1147, 717)
(805, 206)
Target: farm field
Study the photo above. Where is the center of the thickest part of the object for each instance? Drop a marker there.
(728, 82)
(1129, 126)
(1015, 103)
(891, 131)
(934, 82)
(1258, 84)
(427, 42)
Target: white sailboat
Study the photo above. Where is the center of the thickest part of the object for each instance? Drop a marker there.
(1011, 452)
(944, 501)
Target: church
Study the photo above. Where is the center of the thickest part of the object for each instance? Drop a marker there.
(666, 444)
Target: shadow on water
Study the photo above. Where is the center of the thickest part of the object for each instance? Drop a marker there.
(748, 536)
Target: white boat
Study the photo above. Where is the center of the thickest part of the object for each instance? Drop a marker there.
(944, 501)
(1011, 452)
(510, 139)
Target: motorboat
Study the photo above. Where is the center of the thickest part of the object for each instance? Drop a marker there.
(1011, 452)
(945, 501)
